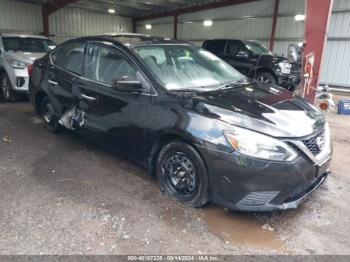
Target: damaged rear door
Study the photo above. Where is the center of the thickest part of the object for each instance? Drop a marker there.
(116, 116)
(66, 69)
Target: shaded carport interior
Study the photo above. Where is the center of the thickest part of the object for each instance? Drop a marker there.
(317, 12)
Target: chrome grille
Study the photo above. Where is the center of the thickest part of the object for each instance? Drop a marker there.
(298, 150)
(315, 144)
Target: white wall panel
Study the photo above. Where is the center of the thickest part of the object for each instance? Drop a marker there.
(256, 28)
(336, 67)
(241, 29)
(287, 27)
(20, 17)
(340, 25)
(341, 4)
(163, 27)
(292, 6)
(69, 23)
(288, 31)
(263, 7)
(244, 28)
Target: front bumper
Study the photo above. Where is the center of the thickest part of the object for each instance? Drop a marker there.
(243, 183)
(290, 203)
(289, 80)
(19, 79)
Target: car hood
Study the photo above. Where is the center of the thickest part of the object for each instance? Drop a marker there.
(265, 109)
(25, 56)
(269, 58)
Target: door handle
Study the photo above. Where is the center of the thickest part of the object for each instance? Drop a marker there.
(53, 82)
(90, 98)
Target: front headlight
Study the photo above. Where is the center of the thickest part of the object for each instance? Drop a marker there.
(17, 64)
(260, 146)
(285, 67)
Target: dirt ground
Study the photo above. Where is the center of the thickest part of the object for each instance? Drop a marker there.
(60, 194)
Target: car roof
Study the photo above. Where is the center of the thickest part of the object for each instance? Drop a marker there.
(212, 40)
(131, 40)
(22, 35)
(225, 40)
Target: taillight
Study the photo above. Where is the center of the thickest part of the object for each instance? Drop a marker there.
(30, 69)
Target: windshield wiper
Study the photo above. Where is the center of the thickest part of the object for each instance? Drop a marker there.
(234, 84)
(185, 90)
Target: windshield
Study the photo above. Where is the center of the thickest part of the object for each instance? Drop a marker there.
(27, 44)
(181, 67)
(257, 48)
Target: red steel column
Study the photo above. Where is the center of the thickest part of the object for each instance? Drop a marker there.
(274, 22)
(175, 26)
(318, 14)
(48, 8)
(46, 25)
(133, 26)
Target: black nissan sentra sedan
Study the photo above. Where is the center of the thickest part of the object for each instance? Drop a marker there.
(206, 131)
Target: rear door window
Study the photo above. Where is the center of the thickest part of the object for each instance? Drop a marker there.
(215, 47)
(70, 57)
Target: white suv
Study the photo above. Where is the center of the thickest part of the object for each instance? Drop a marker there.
(17, 52)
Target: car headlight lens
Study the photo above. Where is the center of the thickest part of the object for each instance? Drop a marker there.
(17, 64)
(259, 146)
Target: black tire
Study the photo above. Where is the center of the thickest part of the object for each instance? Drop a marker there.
(6, 91)
(49, 116)
(266, 78)
(187, 180)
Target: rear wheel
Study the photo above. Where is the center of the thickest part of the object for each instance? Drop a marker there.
(6, 89)
(49, 116)
(182, 174)
(266, 78)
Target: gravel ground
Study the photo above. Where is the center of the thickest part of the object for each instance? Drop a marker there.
(60, 194)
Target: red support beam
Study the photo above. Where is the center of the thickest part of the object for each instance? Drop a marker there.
(50, 7)
(175, 26)
(195, 8)
(274, 23)
(318, 14)
(133, 26)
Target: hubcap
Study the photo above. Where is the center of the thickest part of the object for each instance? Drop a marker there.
(5, 88)
(180, 174)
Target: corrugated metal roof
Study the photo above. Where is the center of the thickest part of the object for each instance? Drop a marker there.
(131, 8)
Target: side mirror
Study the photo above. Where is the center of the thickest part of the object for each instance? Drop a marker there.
(242, 55)
(292, 54)
(127, 84)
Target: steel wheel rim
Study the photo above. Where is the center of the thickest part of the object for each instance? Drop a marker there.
(264, 80)
(180, 174)
(5, 88)
(48, 114)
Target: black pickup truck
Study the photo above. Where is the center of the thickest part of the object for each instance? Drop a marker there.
(255, 61)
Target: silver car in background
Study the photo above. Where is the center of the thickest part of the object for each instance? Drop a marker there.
(17, 53)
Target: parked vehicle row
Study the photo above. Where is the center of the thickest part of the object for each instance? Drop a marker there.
(17, 52)
(255, 61)
(205, 130)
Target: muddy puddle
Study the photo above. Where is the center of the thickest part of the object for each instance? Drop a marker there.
(241, 229)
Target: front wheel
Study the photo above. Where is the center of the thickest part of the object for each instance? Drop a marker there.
(49, 116)
(6, 89)
(182, 174)
(266, 78)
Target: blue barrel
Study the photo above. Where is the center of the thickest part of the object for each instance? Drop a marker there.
(344, 107)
